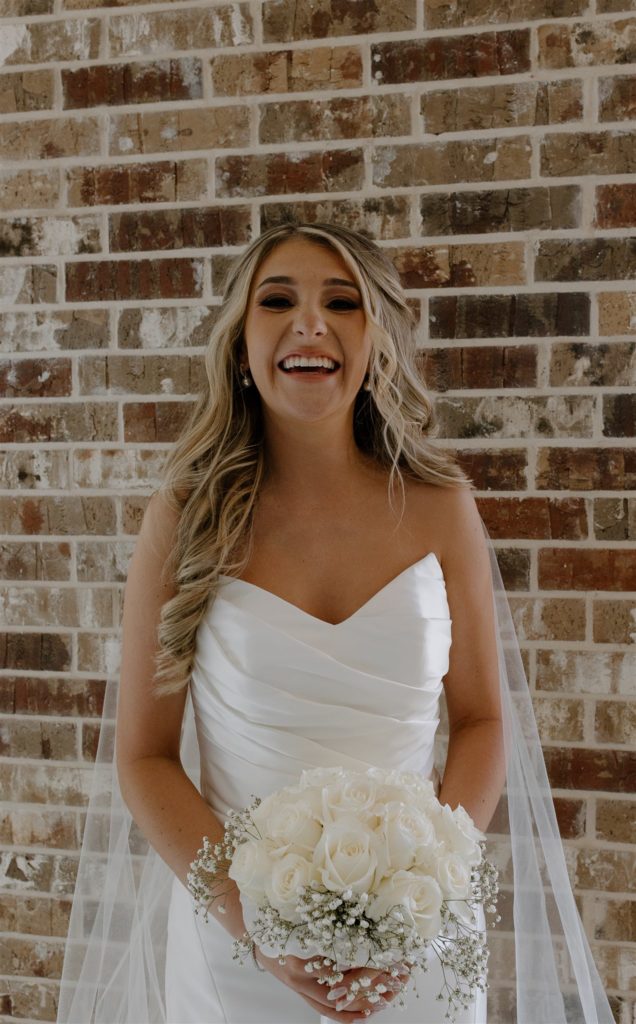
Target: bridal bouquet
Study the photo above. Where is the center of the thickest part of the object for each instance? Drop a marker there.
(357, 869)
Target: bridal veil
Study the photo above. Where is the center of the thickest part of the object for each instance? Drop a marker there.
(540, 966)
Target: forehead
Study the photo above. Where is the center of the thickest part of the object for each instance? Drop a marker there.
(300, 258)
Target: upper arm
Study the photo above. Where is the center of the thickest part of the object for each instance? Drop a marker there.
(147, 726)
(472, 681)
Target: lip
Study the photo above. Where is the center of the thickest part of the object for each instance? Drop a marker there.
(309, 378)
(308, 355)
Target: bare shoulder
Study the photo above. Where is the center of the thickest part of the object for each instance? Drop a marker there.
(160, 517)
(449, 520)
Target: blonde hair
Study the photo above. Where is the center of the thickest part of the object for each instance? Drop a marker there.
(212, 474)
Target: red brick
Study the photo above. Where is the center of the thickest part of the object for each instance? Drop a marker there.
(177, 229)
(35, 378)
(571, 817)
(59, 697)
(616, 206)
(454, 16)
(271, 174)
(583, 768)
(586, 469)
(458, 56)
(499, 469)
(155, 421)
(69, 515)
(534, 518)
(54, 421)
(384, 216)
(510, 209)
(136, 82)
(50, 652)
(532, 314)
(587, 569)
(35, 560)
(117, 280)
(493, 366)
(619, 415)
(158, 181)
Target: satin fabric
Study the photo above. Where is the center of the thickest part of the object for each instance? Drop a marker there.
(276, 690)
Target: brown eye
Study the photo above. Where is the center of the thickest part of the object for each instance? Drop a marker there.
(273, 299)
(276, 299)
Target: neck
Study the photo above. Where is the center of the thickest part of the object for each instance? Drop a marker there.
(313, 463)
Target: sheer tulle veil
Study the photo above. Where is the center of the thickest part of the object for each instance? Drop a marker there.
(540, 966)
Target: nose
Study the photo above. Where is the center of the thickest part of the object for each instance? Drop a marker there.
(308, 321)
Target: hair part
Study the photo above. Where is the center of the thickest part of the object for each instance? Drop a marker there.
(213, 473)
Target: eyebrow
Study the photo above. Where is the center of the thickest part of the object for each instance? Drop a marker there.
(282, 279)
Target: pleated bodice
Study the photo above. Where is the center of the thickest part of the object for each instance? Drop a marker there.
(276, 690)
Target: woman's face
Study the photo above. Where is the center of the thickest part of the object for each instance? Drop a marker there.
(305, 315)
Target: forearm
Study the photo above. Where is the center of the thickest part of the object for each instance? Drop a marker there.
(475, 770)
(174, 817)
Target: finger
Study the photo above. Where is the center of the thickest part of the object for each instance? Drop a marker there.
(327, 1010)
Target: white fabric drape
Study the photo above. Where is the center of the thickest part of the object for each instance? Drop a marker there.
(540, 965)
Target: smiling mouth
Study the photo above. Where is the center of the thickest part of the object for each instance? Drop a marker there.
(306, 370)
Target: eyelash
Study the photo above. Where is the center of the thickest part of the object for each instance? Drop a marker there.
(278, 298)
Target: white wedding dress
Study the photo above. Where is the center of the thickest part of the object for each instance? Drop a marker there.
(276, 690)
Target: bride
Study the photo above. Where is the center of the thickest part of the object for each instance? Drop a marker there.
(281, 613)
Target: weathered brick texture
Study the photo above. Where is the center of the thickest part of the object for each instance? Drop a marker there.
(490, 149)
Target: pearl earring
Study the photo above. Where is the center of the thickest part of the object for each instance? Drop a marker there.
(245, 380)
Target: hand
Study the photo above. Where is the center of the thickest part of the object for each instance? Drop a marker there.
(293, 974)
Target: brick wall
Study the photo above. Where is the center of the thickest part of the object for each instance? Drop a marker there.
(490, 148)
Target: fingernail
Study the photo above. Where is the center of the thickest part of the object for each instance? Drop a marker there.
(336, 993)
(343, 1003)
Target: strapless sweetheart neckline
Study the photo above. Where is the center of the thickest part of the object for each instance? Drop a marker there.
(349, 618)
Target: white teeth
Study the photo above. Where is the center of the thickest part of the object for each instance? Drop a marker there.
(293, 361)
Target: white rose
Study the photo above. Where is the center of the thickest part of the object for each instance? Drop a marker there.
(287, 876)
(453, 875)
(355, 796)
(405, 832)
(320, 776)
(289, 796)
(348, 855)
(455, 840)
(418, 897)
(412, 780)
(250, 868)
(467, 825)
(292, 828)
